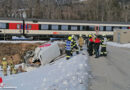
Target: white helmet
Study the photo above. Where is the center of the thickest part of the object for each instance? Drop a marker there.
(4, 59)
(72, 36)
(104, 35)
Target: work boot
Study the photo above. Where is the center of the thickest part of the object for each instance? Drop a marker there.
(77, 52)
(101, 55)
(96, 56)
(90, 54)
(67, 58)
(81, 49)
(105, 54)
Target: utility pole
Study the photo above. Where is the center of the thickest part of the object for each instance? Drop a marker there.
(23, 27)
(24, 16)
(4, 35)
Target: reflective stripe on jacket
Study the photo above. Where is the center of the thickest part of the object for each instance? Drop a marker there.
(68, 45)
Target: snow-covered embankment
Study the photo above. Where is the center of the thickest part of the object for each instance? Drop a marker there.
(61, 75)
(118, 44)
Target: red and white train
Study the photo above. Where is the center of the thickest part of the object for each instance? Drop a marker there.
(57, 28)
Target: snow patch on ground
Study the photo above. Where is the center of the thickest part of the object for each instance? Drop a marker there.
(22, 41)
(118, 44)
(63, 74)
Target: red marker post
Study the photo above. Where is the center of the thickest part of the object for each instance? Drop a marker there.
(1, 82)
(2, 85)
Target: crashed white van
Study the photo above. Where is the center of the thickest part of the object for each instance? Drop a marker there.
(46, 53)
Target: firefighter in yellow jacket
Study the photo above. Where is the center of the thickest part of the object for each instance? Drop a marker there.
(81, 42)
(4, 66)
(12, 66)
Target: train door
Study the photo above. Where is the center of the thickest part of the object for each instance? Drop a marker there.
(96, 29)
(32, 26)
(22, 27)
(118, 37)
(25, 27)
(19, 27)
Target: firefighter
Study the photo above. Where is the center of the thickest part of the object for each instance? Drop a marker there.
(74, 45)
(90, 45)
(97, 45)
(68, 48)
(81, 42)
(103, 46)
(4, 66)
(11, 64)
(20, 69)
(87, 40)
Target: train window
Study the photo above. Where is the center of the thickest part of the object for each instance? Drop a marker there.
(91, 28)
(44, 26)
(108, 28)
(81, 28)
(29, 26)
(116, 27)
(124, 27)
(59, 27)
(18, 26)
(69, 27)
(78, 28)
(74, 28)
(85, 28)
(2, 25)
(101, 28)
(96, 28)
(64, 27)
(54, 27)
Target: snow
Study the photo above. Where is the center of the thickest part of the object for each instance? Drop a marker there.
(2, 41)
(62, 74)
(22, 41)
(118, 44)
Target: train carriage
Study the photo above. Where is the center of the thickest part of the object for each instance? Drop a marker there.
(56, 28)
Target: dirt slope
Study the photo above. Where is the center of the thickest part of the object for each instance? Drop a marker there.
(17, 51)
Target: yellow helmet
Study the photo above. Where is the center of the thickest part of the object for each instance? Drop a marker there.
(4, 58)
(80, 35)
(89, 35)
(69, 38)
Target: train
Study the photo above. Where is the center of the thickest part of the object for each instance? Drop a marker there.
(43, 28)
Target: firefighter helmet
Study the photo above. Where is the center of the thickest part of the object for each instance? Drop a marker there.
(90, 35)
(69, 38)
(4, 58)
